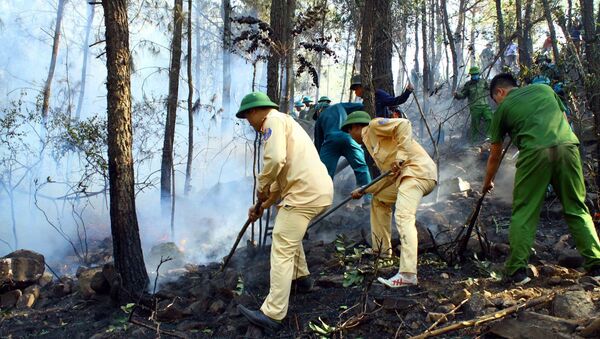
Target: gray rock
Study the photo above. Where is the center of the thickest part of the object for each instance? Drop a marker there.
(217, 307)
(10, 298)
(570, 258)
(573, 305)
(84, 281)
(21, 268)
(534, 325)
(476, 305)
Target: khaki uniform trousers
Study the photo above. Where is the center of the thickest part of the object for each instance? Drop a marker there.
(407, 197)
(287, 256)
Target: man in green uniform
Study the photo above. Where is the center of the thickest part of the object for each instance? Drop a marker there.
(305, 113)
(534, 118)
(476, 90)
(298, 106)
(321, 105)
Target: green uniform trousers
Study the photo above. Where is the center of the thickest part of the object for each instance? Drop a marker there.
(561, 167)
(480, 129)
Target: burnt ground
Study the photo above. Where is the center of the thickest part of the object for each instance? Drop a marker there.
(201, 302)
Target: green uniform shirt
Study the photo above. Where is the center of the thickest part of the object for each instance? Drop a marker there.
(533, 116)
(476, 91)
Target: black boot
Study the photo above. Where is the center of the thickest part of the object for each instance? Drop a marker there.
(260, 319)
(303, 284)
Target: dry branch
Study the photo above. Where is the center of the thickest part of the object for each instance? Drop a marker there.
(488, 317)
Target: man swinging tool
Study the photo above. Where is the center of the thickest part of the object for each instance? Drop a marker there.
(293, 173)
(390, 143)
(534, 118)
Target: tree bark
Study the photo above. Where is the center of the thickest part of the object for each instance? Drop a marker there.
(226, 118)
(274, 60)
(190, 101)
(383, 78)
(452, 44)
(86, 53)
(426, 70)
(127, 249)
(592, 52)
(166, 168)
(366, 57)
(289, 59)
(55, 44)
(548, 15)
(500, 30)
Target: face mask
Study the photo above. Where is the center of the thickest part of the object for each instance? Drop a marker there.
(475, 77)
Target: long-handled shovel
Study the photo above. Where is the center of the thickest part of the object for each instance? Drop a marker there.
(240, 235)
(464, 241)
(343, 202)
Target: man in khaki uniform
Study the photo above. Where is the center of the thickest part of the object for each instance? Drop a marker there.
(390, 143)
(293, 173)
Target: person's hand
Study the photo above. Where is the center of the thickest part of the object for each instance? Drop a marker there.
(357, 193)
(396, 168)
(410, 87)
(263, 196)
(487, 187)
(254, 214)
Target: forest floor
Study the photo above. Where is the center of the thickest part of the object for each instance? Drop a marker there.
(199, 301)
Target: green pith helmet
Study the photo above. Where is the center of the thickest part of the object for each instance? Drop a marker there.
(356, 81)
(254, 100)
(357, 117)
(298, 104)
(324, 98)
(473, 70)
(307, 99)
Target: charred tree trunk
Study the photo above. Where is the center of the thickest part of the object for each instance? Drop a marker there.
(166, 169)
(320, 57)
(273, 63)
(452, 44)
(55, 44)
(548, 15)
(500, 30)
(226, 119)
(592, 83)
(86, 53)
(366, 57)
(383, 78)
(127, 249)
(190, 101)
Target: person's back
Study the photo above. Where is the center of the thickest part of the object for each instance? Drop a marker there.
(306, 183)
(533, 115)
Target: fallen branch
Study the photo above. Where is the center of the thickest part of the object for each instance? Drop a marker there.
(164, 332)
(445, 316)
(488, 317)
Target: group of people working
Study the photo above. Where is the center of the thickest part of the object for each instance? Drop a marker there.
(298, 177)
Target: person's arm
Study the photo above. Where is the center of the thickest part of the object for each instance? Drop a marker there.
(492, 166)
(463, 93)
(274, 153)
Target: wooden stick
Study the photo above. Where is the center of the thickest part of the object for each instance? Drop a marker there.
(446, 315)
(240, 235)
(488, 317)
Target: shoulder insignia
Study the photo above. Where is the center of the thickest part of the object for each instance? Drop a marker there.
(267, 134)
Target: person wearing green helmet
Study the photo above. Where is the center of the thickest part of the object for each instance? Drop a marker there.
(305, 113)
(293, 173)
(321, 105)
(390, 143)
(476, 91)
(298, 106)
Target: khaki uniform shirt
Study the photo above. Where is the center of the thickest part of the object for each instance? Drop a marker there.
(389, 141)
(291, 164)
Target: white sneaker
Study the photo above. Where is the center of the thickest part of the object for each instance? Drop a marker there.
(399, 280)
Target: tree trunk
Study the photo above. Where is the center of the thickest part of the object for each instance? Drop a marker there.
(452, 44)
(346, 65)
(592, 52)
(383, 78)
(289, 59)
(320, 56)
(166, 168)
(86, 53)
(527, 49)
(190, 152)
(500, 30)
(127, 249)
(426, 70)
(47, 87)
(197, 68)
(459, 36)
(366, 57)
(548, 15)
(226, 118)
(273, 62)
